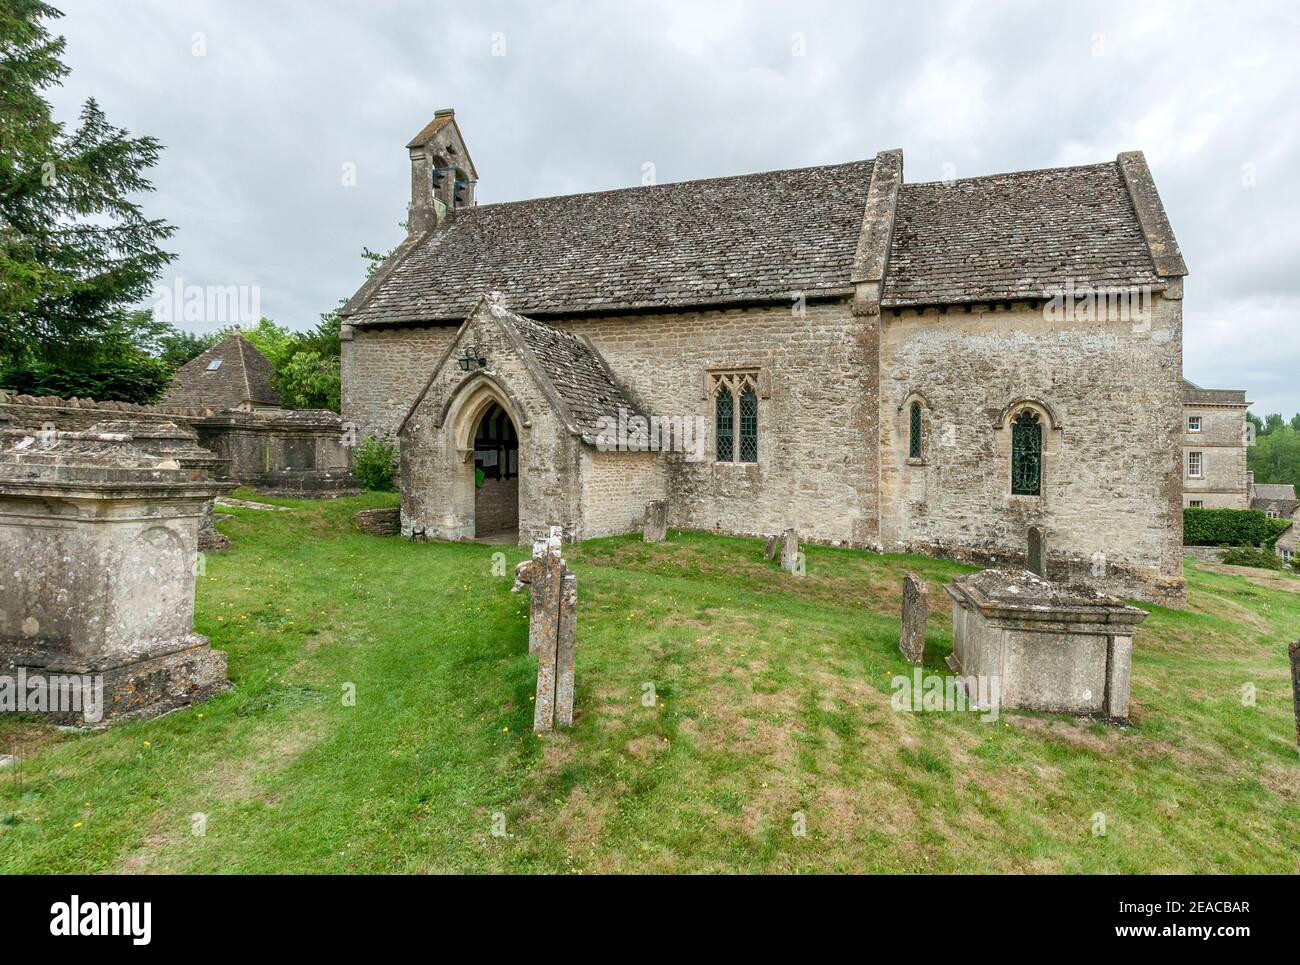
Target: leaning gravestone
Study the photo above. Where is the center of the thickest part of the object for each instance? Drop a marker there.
(99, 621)
(769, 552)
(656, 521)
(916, 608)
(552, 630)
(1037, 552)
(790, 553)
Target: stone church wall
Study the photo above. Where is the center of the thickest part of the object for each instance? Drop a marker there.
(615, 488)
(816, 467)
(384, 369)
(1111, 479)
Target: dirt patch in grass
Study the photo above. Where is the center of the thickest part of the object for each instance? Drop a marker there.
(231, 781)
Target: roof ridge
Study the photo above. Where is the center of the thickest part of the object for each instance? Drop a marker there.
(671, 184)
(1005, 174)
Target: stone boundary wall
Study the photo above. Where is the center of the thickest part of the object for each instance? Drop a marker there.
(294, 451)
(1206, 554)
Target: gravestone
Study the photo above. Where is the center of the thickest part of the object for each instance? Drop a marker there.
(100, 621)
(1037, 552)
(656, 521)
(790, 553)
(916, 608)
(1293, 651)
(552, 630)
(769, 552)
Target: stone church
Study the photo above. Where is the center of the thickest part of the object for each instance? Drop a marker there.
(929, 367)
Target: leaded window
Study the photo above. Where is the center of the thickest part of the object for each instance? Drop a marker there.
(914, 432)
(724, 406)
(748, 426)
(735, 408)
(1026, 455)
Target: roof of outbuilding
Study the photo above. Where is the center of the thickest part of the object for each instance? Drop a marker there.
(1016, 235)
(756, 237)
(244, 375)
(1274, 492)
(1195, 394)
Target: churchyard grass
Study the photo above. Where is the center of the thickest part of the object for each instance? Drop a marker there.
(731, 717)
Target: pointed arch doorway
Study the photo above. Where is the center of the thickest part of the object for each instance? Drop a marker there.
(496, 477)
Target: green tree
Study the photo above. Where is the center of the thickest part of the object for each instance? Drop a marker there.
(75, 250)
(1275, 456)
(118, 364)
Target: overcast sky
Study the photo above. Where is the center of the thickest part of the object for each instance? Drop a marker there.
(262, 105)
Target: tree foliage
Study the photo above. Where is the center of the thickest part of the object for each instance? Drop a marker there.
(75, 250)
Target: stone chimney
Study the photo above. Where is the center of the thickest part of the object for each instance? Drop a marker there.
(442, 174)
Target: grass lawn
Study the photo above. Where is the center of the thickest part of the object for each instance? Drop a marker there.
(771, 700)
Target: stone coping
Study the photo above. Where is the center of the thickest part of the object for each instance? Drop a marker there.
(1020, 596)
(97, 464)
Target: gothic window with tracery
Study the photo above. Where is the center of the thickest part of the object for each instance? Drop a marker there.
(735, 410)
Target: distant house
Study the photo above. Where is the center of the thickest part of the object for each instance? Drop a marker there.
(232, 374)
(1214, 448)
(1279, 502)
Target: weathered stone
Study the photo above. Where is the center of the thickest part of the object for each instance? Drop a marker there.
(769, 552)
(379, 522)
(916, 609)
(1293, 651)
(791, 561)
(7, 760)
(289, 452)
(656, 521)
(551, 632)
(1044, 646)
(566, 650)
(1037, 552)
(108, 535)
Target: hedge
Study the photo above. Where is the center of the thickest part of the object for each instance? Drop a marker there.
(1231, 527)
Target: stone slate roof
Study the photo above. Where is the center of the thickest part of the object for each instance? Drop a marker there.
(578, 373)
(1194, 394)
(1014, 236)
(243, 376)
(1280, 496)
(761, 237)
(754, 237)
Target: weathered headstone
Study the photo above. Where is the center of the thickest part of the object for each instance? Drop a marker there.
(790, 553)
(916, 608)
(552, 631)
(1037, 552)
(656, 521)
(769, 553)
(1293, 651)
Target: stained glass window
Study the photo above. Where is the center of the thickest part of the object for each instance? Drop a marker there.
(914, 436)
(725, 408)
(1026, 455)
(748, 426)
